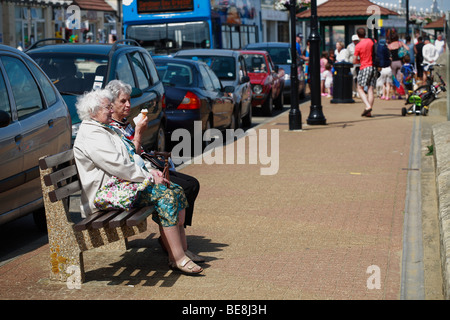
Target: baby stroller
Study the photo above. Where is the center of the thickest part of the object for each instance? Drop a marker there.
(419, 101)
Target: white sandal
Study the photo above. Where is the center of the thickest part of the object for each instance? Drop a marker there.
(187, 266)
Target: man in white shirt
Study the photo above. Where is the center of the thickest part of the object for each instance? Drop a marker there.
(430, 55)
(439, 44)
(350, 57)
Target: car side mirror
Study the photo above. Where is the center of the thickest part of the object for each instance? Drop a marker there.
(5, 119)
(135, 92)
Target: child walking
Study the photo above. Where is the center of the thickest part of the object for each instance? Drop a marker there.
(328, 80)
(407, 71)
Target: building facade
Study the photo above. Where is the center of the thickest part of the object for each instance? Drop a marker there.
(24, 22)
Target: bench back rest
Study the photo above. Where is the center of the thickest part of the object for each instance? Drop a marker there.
(64, 175)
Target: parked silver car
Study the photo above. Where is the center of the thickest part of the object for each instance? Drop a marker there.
(34, 121)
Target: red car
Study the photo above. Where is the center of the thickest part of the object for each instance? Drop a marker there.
(267, 81)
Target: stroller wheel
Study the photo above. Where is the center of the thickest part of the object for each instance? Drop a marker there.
(404, 111)
(424, 111)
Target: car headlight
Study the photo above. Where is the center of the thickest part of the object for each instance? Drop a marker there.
(75, 128)
(257, 89)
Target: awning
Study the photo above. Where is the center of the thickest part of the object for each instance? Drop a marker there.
(95, 5)
(345, 10)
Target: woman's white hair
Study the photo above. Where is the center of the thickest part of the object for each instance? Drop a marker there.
(89, 103)
(116, 87)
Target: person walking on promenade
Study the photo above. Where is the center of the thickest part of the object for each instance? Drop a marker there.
(328, 81)
(385, 82)
(367, 73)
(340, 52)
(412, 56)
(419, 57)
(298, 43)
(350, 58)
(440, 44)
(430, 55)
(396, 65)
(323, 63)
(407, 75)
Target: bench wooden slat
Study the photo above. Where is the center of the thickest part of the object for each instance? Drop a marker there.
(104, 219)
(86, 223)
(60, 175)
(121, 218)
(139, 216)
(64, 191)
(56, 159)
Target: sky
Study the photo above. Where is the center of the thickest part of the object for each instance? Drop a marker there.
(442, 4)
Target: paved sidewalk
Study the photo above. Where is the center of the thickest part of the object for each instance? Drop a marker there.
(323, 227)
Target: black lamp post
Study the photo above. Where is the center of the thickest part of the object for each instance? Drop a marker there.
(295, 116)
(316, 116)
(407, 17)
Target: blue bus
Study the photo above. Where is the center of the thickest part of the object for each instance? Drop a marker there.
(166, 26)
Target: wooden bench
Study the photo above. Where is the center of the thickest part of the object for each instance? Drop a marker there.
(67, 240)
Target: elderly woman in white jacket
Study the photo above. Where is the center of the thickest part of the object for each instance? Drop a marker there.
(111, 177)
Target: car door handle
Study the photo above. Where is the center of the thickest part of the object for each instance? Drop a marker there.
(50, 123)
(18, 138)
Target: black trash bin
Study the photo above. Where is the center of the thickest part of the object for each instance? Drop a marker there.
(342, 83)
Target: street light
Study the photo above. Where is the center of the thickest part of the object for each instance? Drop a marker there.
(407, 17)
(316, 116)
(295, 116)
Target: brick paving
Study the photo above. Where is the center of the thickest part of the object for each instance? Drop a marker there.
(311, 231)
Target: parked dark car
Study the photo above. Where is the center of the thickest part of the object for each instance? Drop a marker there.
(230, 68)
(193, 92)
(280, 53)
(34, 122)
(267, 81)
(75, 68)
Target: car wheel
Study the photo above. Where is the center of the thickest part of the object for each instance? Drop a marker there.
(207, 134)
(161, 139)
(247, 120)
(267, 107)
(236, 118)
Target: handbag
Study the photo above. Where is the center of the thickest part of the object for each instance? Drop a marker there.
(402, 52)
(119, 194)
(160, 160)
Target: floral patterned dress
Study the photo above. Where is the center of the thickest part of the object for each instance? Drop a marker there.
(121, 194)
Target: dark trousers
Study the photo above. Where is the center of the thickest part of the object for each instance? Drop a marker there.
(191, 188)
(419, 69)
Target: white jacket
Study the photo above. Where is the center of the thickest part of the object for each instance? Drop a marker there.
(430, 53)
(100, 154)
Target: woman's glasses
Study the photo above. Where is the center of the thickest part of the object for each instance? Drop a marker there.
(109, 107)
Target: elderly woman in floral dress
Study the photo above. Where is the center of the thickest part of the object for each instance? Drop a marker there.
(121, 105)
(111, 177)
